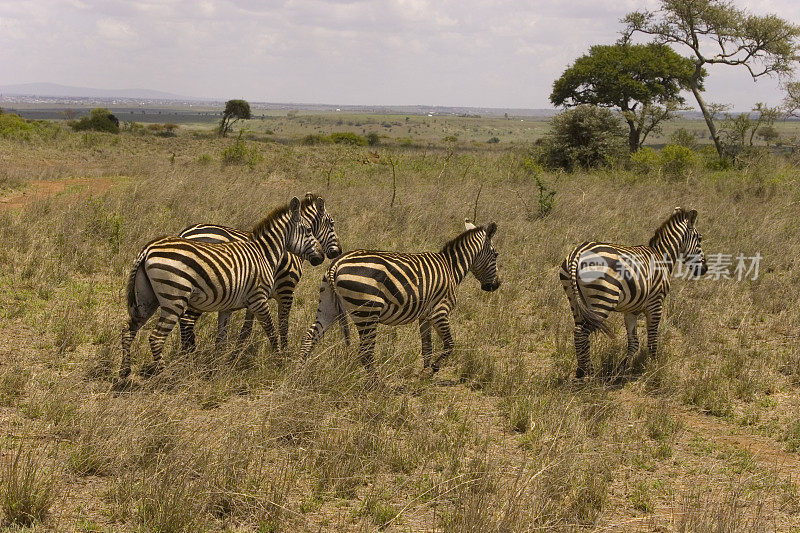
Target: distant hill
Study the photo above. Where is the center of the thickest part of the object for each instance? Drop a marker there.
(54, 89)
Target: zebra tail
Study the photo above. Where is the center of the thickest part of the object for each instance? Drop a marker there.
(340, 311)
(133, 304)
(588, 316)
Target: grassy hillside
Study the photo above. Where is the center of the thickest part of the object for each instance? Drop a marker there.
(502, 439)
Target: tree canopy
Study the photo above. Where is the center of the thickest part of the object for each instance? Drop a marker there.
(235, 110)
(643, 81)
(718, 32)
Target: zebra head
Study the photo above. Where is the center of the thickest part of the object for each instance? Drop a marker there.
(691, 249)
(321, 223)
(300, 239)
(484, 267)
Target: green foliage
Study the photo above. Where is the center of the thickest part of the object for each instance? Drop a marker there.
(645, 161)
(235, 110)
(546, 197)
(346, 137)
(493, 140)
(677, 160)
(15, 127)
(719, 32)
(684, 137)
(623, 74)
(643, 81)
(585, 137)
(314, 138)
(373, 139)
(240, 153)
(98, 119)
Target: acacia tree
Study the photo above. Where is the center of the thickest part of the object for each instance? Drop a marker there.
(718, 33)
(235, 110)
(642, 81)
(792, 100)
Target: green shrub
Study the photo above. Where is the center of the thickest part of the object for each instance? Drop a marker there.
(239, 153)
(346, 137)
(645, 161)
(373, 139)
(493, 140)
(98, 119)
(313, 138)
(677, 160)
(684, 137)
(15, 127)
(582, 137)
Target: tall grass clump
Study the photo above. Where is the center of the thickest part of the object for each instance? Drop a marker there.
(28, 488)
(240, 153)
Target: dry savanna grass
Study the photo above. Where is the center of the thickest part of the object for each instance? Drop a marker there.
(502, 439)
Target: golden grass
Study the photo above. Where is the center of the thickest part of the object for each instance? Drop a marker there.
(500, 440)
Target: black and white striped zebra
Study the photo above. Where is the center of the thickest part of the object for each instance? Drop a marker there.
(287, 274)
(174, 274)
(375, 287)
(599, 278)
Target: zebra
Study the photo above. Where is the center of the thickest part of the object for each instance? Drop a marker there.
(287, 273)
(176, 274)
(599, 278)
(375, 287)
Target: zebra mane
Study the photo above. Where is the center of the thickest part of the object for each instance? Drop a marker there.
(270, 219)
(452, 243)
(678, 216)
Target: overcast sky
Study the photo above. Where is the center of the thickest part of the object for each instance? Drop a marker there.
(459, 53)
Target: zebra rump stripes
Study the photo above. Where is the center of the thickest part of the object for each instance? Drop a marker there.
(599, 278)
(287, 273)
(176, 274)
(375, 287)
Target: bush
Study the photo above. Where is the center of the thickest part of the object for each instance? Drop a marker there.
(15, 127)
(645, 161)
(98, 119)
(676, 160)
(684, 137)
(312, 139)
(347, 137)
(583, 137)
(373, 139)
(239, 153)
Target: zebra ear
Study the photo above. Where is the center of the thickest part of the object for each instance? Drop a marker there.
(490, 229)
(692, 216)
(468, 224)
(294, 207)
(320, 204)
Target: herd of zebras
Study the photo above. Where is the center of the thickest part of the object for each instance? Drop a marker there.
(215, 268)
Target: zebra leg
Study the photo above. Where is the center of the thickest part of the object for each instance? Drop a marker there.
(166, 321)
(266, 322)
(245, 332)
(631, 320)
(128, 334)
(222, 330)
(327, 312)
(427, 344)
(259, 307)
(581, 334)
(653, 318)
(442, 325)
(187, 323)
(367, 332)
(344, 326)
(284, 308)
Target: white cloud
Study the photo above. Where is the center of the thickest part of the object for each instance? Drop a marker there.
(468, 52)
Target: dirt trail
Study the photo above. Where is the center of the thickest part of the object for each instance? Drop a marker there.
(43, 189)
(767, 452)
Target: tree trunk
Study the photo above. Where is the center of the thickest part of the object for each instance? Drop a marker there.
(633, 136)
(703, 109)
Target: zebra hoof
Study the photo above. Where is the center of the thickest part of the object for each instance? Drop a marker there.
(151, 369)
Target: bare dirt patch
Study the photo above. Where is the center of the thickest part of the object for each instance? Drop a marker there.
(39, 190)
